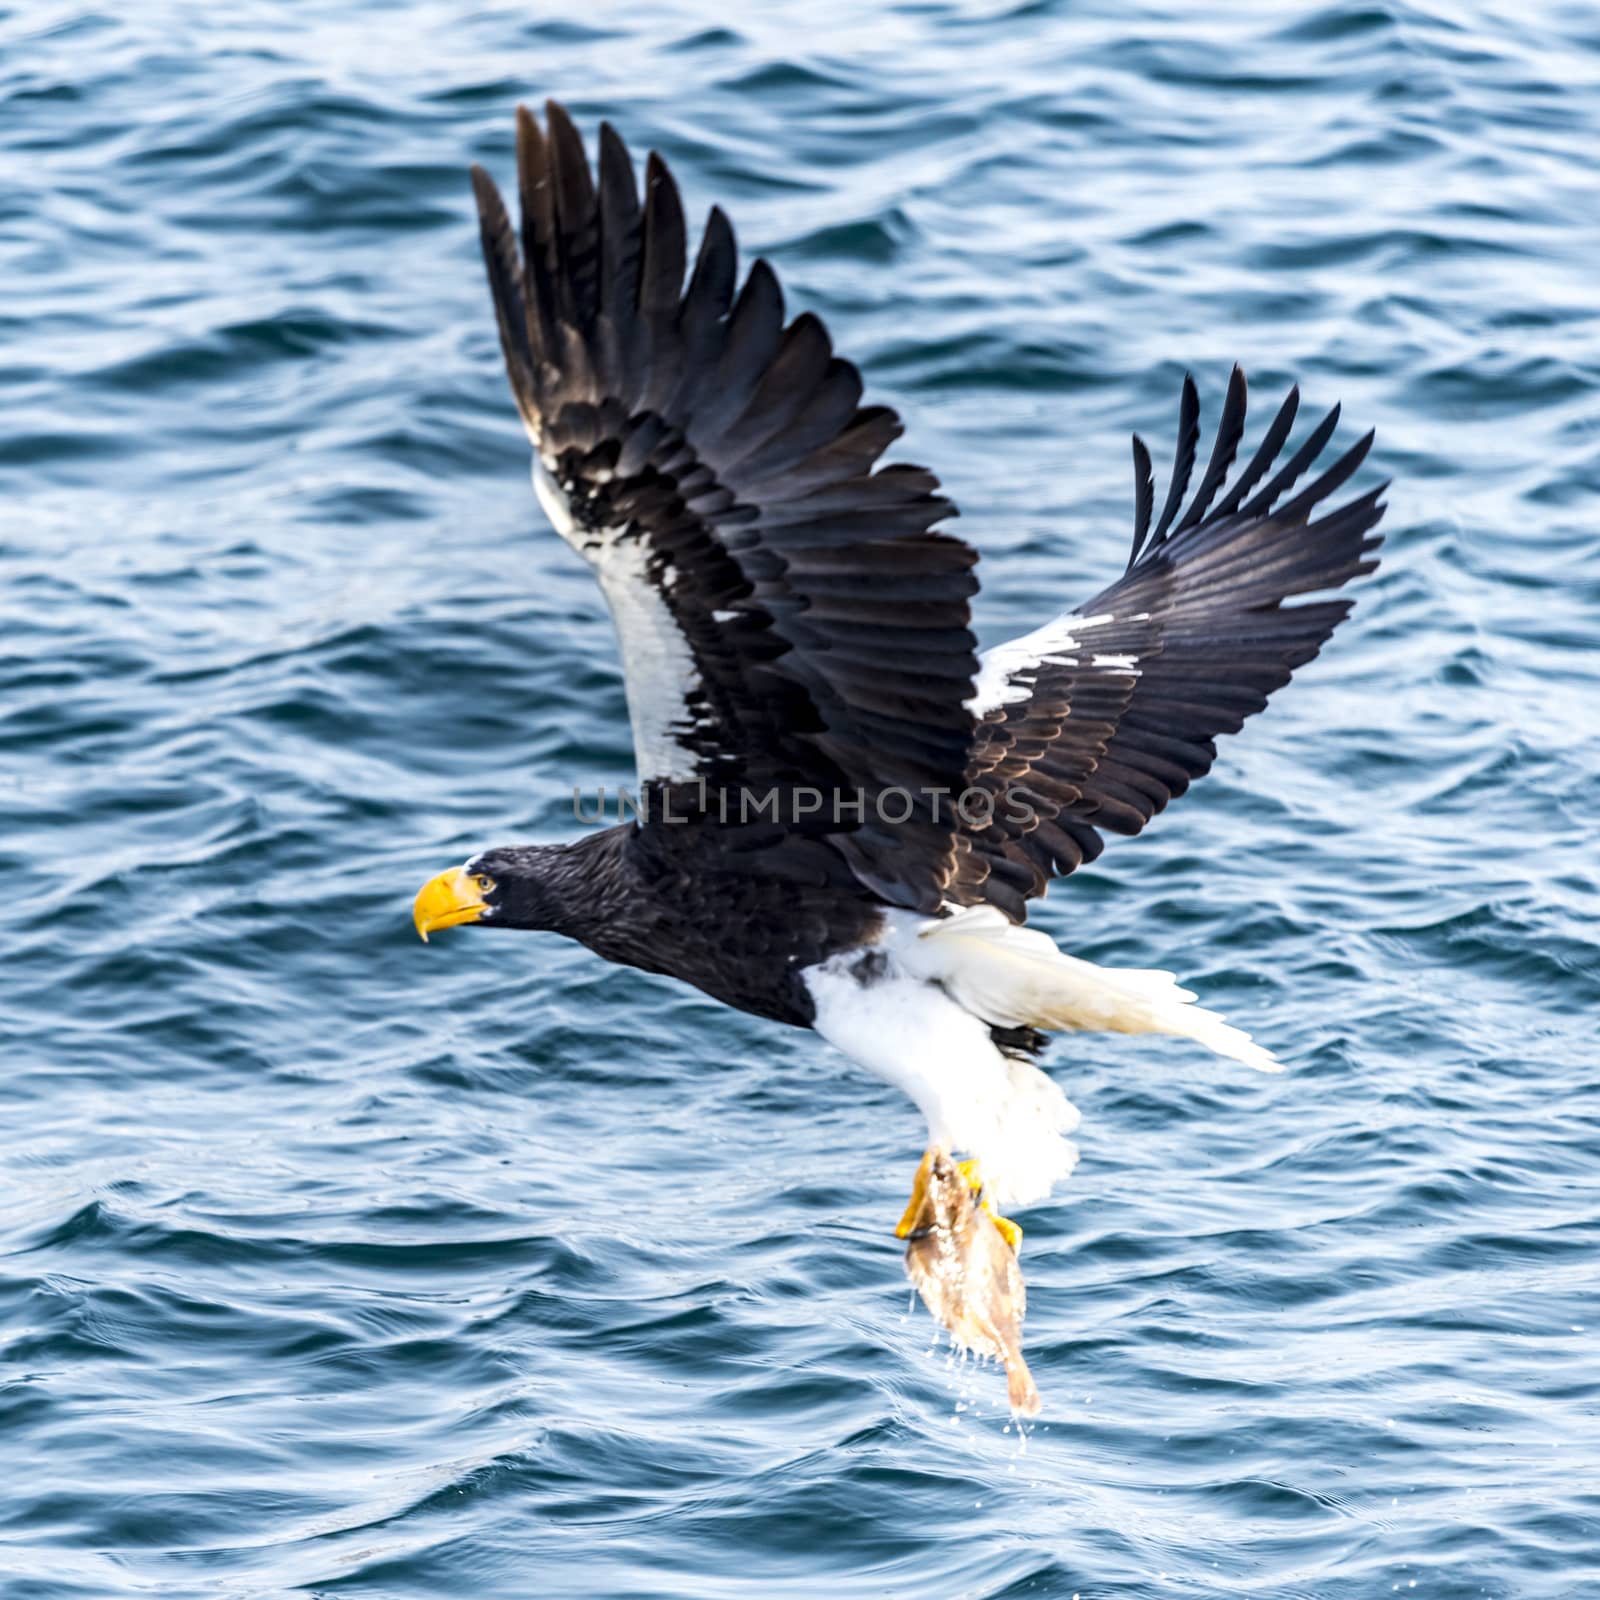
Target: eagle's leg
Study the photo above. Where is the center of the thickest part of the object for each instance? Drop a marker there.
(1009, 1230)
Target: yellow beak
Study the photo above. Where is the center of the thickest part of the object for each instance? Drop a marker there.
(450, 899)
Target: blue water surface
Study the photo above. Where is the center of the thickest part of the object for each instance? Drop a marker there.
(336, 1265)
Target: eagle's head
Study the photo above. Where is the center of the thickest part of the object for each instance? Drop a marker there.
(518, 886)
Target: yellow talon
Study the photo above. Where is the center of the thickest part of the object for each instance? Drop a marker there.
(969, 1169)
(919, 1193)
(1009, 1231)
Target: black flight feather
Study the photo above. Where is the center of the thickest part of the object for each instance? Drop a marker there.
(693, 423)
(1121, 718)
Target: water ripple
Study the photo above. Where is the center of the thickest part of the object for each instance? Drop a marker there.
(334, 1265)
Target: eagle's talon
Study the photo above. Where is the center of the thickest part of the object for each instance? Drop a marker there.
(1009, 1230)
(907, 1224)
(973, 1173)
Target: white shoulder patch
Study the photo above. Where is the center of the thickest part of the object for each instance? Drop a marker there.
(659, 675)
(1003, 671)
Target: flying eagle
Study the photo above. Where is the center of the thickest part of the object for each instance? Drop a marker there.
(845, 808)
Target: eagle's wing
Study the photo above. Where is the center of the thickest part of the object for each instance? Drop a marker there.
(786, 615)
(1096, 720)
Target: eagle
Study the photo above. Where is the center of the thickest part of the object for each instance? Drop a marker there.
(843, 808)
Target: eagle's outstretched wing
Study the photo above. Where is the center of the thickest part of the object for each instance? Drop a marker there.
(1096, 720)
(786, 615)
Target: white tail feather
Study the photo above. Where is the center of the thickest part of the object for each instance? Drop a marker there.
(1016, 977)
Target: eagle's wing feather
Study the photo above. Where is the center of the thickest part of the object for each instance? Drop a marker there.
(787, 615)
(1095, 721)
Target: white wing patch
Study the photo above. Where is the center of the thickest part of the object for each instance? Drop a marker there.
(1005, 672)
(659, 675)
(555, 504)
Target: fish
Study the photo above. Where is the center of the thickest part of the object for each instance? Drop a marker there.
(969, 1277)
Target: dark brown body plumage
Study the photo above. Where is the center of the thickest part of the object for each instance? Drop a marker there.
(739, 911)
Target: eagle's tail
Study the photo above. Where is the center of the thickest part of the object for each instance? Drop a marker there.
(1013, 976)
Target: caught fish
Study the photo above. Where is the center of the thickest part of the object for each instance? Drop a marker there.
(967, 1275)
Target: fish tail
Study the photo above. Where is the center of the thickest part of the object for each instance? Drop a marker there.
(1021, 1390)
